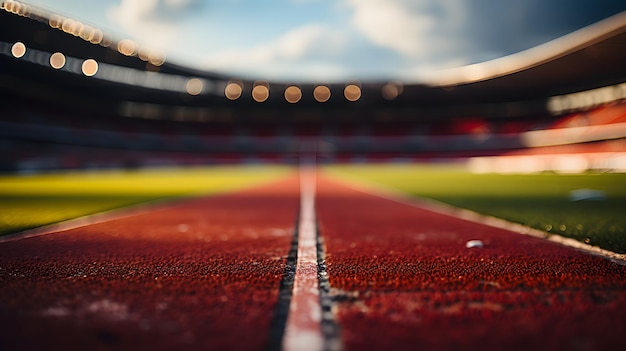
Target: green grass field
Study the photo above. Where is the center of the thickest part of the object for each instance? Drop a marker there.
(32, 201)
(540, 201)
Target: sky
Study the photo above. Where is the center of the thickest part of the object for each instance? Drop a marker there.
(333, 40)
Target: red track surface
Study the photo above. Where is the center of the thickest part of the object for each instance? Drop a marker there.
(201, 275)
(205, 275)
(405, 281)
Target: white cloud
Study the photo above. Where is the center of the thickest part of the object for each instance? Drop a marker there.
(422, 31)
(391, 37)
(130, 12)
(178, 3)
(309, 50)
(153, 22)
(389, 24)
(401, 39)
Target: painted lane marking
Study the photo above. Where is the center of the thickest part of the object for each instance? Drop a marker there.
(303, 330)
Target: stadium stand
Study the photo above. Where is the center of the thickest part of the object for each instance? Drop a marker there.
(138, 110)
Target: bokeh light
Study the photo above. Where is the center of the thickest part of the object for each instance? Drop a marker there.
(77, 29)
(293, 94)
(321, 93)
(13, 6)
(18, 49)
(57, 60)
(16, 7)
(9, 5)
(106, 41)
(261, 91)
(352, 92)
(143, 53)
(194, 86)
(97, 36)
(87, 33)
(233, 90)
(392, 90)
(126, 47)
(55, 21)
(90, 67)
(67, 25)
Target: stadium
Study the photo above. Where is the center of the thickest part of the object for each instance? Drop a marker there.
(150, 204)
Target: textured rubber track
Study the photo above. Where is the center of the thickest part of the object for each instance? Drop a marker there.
(203, 274)
(403, 279)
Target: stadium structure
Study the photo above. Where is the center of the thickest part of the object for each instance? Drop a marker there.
(74, 97)
(307, 257)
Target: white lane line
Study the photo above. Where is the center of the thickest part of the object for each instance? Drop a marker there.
(303, 330)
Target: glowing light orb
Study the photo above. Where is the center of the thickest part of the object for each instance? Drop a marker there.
(90, 67)
(352, 92)
(260, 92)
(321, 93)
(18, 49)
(57, 60)
(233, 90)
(194, 86)
(392, 90)
(126, 47)
(293, 94)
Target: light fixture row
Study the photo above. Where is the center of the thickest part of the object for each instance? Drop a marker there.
(85, 31)
(292, 93)
(234, 89)
(194, 86)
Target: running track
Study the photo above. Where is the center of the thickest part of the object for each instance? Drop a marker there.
(218, 273)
